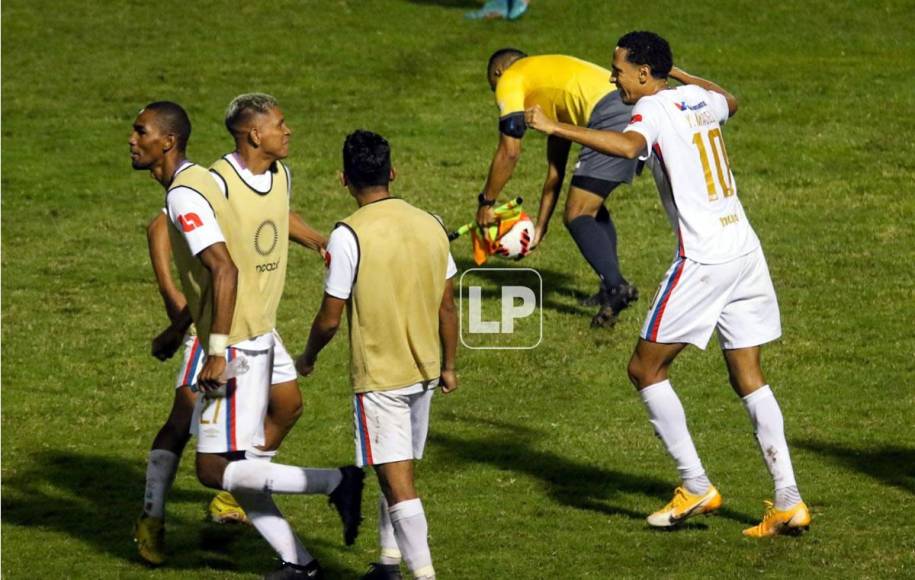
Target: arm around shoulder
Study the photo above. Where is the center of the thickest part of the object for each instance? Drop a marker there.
(684, 77)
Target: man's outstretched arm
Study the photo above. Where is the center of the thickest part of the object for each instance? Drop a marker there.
(628, 145)
(305, 235)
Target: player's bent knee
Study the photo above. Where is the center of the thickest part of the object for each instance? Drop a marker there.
(642, 374)
(210, 469)
(285, 405)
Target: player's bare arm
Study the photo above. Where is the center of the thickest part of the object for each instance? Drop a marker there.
(448, 333)
(323, 329)
(224, 276)
(685, 78)
(305, 235)
(500, 171)
(629, 145)
(557, 156)
(169, 340)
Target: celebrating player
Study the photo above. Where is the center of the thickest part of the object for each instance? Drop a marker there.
(719, 280)
(577, 92)
(398, 294)
(284, 406)
(218, 266)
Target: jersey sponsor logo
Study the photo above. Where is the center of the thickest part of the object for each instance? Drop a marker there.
(266, 237)
(327, 259)
(189, 222)
(684, 107)
(635, 119)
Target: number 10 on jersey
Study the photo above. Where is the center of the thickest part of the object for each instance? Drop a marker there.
(719, 159)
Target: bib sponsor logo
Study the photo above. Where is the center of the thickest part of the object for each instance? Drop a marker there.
(265, 238)
(268, 267)
(189, 222)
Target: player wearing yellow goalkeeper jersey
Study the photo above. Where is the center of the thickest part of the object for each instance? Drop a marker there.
(573, 91)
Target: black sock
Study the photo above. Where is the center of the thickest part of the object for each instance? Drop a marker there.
(604, 220)
(592, 241)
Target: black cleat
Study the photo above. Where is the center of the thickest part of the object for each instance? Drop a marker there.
(347, 498)
(612, 302)
(287, 570)
(592, 300)
(379, 571)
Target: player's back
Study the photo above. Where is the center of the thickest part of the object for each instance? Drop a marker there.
(565, 87)
(683, 127)
(393, 310)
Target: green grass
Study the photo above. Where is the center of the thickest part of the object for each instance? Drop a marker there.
(543, 465)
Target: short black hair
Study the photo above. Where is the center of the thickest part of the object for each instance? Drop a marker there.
(366, 159)
(643, 47)
(172, 118)
(503, 54)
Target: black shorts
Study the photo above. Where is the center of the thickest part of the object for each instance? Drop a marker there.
(596, 172)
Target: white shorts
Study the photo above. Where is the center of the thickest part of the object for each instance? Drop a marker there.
(392, 425)
(283, 367)
(235, 422)
(736, 298)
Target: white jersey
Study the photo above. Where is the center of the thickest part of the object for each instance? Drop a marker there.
(682, 129)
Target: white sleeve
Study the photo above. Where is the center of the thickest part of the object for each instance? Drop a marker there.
(451, 272)
(341, 262)
(645, 120)
(719, 105)
(192, 215)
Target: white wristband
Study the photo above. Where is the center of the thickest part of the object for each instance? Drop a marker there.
(218, 344)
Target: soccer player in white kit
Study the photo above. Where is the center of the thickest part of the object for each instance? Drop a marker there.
(398, 293)
(217, 267)
(718, 281)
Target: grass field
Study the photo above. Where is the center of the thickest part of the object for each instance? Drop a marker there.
(544, 464)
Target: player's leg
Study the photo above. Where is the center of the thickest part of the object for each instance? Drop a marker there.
(684, 311)
(285, 405)
(648, 371)
(227, 427)
(403, 420)
(164, 458)
(166, 452)
(750, 319)
(592, 238)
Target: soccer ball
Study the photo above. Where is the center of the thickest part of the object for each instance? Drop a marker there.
(516, 242)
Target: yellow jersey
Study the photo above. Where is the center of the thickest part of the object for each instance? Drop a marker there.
(565, 87)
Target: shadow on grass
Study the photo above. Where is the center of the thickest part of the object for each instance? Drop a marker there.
(96, 499)
(558, 291)
(570, 483)
(893, 465)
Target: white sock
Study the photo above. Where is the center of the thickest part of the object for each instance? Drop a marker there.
(273, 527)
(769, 426)
(276, 478)
(412, 531)
(390, 553)
(669, 420)
(160, 474)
